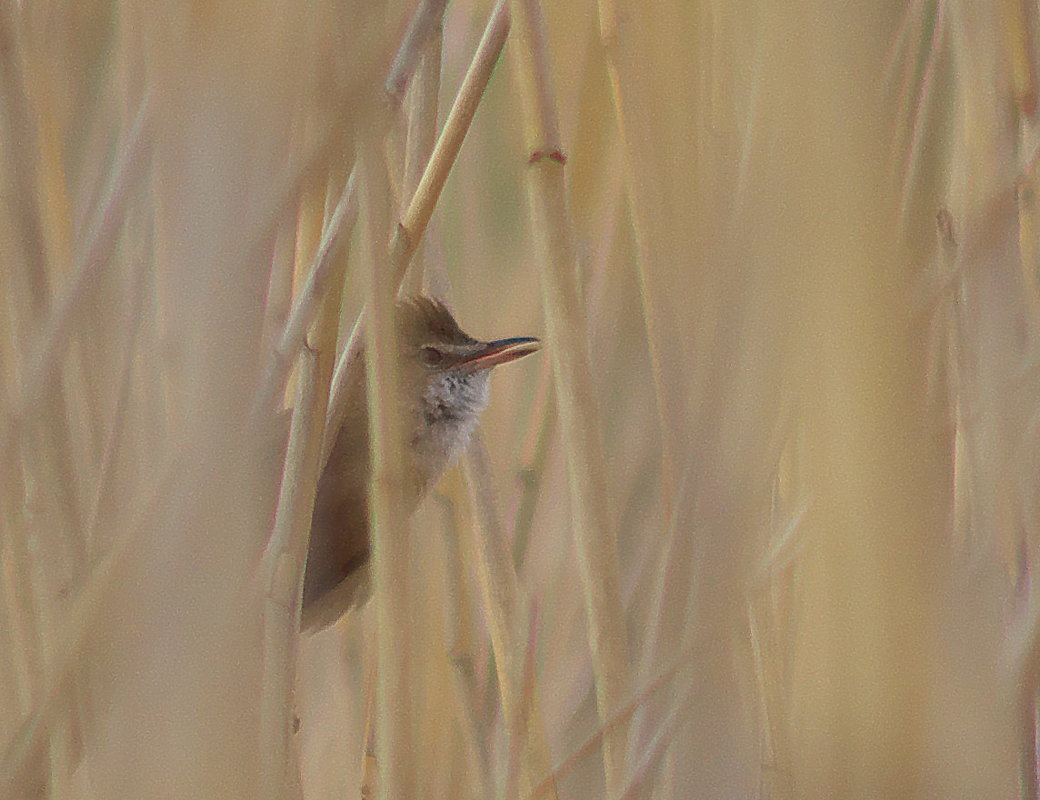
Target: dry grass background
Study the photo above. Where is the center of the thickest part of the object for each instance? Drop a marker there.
(759, 521)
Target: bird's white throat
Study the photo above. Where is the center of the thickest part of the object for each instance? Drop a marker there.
(451, 407)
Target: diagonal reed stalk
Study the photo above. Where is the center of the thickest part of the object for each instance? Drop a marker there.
(316, 246)
(41, 388)
(91, 259)
(850, 617)
(410, 229)
(657, 683)
(79, 622)
(424, 24)
(504, 605)
(393, 731)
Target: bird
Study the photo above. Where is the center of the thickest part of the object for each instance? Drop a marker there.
(443, 388)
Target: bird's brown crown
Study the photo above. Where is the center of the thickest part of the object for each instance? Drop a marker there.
(422, 320)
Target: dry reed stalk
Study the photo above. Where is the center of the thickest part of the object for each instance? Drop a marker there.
(306, 302)
(104, 500)
(323, 340)
(100, 241)
(651, 686)
(8, 349)
(772, 627)
(36, 177)
(1019, 39)
(389, 524)
(279, 297)
(422, 135)
(435, 687)
(25, 641)
(518, 772)
(1029, 249)
(409, 231)
(567, 326)
(907, 31)
(984, 356)
(541, 424)
(19, 596)
(17, 693)
(541, 429)
(79, 622)
(463, 649)
(635, 124)
(21, 135)
(477, 758)
(901, 61)
(282, 570)
(989, 244)
(504, 603)
(315, 241)
(49, 460)
(667, 570)
(866, 587)
(315, 286)
(639, 784)
(424, 26)
(768, 723)
(1020, 655)
(84, 388)
(369, 766)
(338, 387)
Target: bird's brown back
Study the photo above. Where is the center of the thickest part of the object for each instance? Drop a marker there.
(440, 407)
(339, 544)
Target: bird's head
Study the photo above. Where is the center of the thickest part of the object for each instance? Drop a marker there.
(447, 371)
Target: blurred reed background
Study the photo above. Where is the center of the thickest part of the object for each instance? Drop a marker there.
(759, 521)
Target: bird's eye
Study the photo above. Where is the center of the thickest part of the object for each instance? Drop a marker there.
(431, 356)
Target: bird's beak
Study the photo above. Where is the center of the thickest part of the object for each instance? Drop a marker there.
(499, 352)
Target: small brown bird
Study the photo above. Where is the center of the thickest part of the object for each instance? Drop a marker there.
(444, 387)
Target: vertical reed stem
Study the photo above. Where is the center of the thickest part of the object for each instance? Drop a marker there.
(578, 404)
(389, 525)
